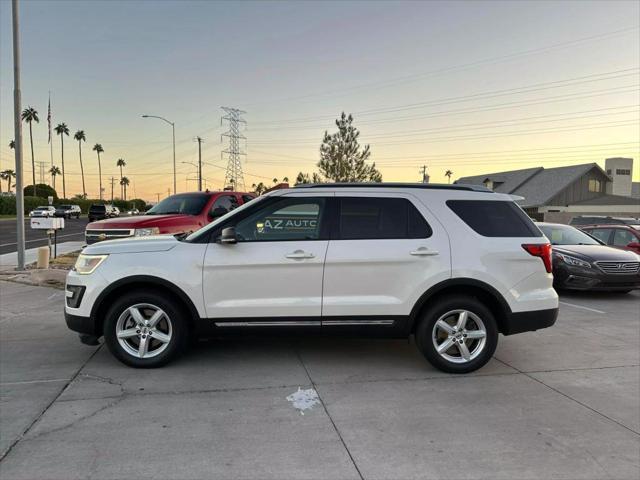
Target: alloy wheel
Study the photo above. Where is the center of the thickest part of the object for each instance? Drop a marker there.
(144, 330)
(459, 336)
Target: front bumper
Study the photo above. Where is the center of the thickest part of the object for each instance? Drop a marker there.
(574, 278)
(519, 322)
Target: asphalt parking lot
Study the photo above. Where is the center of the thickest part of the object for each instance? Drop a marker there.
(558, 403)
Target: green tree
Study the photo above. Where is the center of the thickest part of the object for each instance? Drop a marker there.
(121, 163)
(81, 137)
(124, 183)
(43, 190)
(275, 180)
(7, 175)
(448, 174)
(303, 178)
(260, 188)
(12, 144)
(54, 171)
(62, 130)
(98, 149)
(342, 159)
(30, 115)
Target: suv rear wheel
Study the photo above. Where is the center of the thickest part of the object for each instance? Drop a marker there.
(457, 334)
(144, 329)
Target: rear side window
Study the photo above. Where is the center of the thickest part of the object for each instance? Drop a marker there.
(362, 218)
(494, 218)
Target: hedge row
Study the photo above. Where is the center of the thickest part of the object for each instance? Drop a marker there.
(8, 204)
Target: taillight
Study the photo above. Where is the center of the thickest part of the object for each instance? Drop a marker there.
(542, 250)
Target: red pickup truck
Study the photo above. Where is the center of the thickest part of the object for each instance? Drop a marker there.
(181, 213)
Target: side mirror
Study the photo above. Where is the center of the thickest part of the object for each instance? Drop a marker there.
(228, 236)
(217, 212)
(634, 245)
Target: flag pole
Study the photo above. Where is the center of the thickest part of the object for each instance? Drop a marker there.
(49, 123)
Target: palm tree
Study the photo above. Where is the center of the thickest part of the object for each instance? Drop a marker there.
(80, 137)
(121, 163)
(55, 171)
(98, 149)
(62, 130)
(8, 175)
(124, 182)
(448, 174)
(30, 115)
(12, 144)
(275, 180)
(285, 179)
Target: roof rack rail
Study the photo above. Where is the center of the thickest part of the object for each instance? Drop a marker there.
(425, 186)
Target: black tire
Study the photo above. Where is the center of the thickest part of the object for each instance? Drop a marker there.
(179, 328)
(442, 306)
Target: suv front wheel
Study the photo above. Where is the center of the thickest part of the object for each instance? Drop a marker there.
(457, 334)
(144, 329)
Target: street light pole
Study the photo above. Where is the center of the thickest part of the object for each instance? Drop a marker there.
(17, 107)
(173, 129)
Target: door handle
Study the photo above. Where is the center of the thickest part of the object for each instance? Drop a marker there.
(424, 252)
(299, 254)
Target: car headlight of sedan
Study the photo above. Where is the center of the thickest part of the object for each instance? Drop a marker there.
(573, 261)
(145, 232)
(87, 264)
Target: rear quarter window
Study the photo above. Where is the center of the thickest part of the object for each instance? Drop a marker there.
(494, 218)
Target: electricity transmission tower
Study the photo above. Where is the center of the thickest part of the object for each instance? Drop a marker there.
(233, 177)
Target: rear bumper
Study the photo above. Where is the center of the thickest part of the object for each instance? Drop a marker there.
(520, 322)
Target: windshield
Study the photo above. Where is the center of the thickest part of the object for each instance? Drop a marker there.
(566, 235)
(186, 204)
(213, 224)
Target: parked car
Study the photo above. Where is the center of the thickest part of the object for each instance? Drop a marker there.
(584, 220)
(115, 211)
(47, 211)
(626, 237)
(453, 265)
(68, 211)
(177, 214)
(133, 211)
(98, 212)
(582, 262)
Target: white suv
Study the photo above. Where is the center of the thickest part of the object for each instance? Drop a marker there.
(453, 265)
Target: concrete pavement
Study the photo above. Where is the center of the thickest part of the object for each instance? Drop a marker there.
(559, 403)
(9, 261)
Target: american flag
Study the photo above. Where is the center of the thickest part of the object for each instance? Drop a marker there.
(49, 118)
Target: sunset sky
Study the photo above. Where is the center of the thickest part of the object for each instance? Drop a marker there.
(473, 87)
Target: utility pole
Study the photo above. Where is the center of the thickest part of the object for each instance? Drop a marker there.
(112, 182)
(425, 175)
(17, 125)
(158, 196)
(41, 165)
(199, 140)
(233, 176)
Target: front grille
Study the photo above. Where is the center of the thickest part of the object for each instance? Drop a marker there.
(93, 236)
(628, 268)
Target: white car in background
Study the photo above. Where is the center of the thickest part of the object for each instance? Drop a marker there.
(41, 212)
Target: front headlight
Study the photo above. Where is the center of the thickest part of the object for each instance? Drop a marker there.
(145, 232)
(573, 261)
(86, 264)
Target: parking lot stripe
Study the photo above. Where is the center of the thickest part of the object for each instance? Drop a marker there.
(584, 308)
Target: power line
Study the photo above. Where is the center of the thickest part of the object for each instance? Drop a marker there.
(498, 59)
(610, 75)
